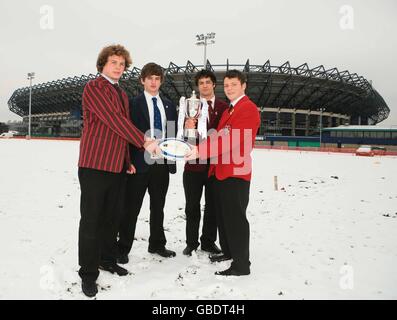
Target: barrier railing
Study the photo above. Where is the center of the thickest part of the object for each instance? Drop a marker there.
(281, 148)
(322, 149)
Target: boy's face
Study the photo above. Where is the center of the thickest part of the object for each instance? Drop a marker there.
(114, 67)
(206, 87)
(233, 88)
(152, 84)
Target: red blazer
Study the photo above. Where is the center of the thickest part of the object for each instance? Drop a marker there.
(220, 106)
(230, 149)
(107, 128)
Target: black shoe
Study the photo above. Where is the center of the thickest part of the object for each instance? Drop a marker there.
(232, 272)
(188, 250)
(219, 257)
(213, 248)
(113, 268)
(89, 288)
(122, 259)
(163, 252)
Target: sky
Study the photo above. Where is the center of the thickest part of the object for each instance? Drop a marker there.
(59, 39)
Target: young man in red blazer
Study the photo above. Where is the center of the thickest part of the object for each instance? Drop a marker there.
(195, 176)
(103, 159)
(230, 152)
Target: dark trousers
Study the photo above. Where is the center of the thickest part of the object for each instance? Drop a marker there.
(231, 204)
(100, 215)
(155, 181)
(193, 184)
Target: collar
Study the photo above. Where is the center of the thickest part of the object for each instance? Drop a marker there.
(233, 103)
(108, 79)
(212, 99)
(148, 96)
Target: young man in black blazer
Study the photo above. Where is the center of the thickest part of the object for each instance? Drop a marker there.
(156, 116)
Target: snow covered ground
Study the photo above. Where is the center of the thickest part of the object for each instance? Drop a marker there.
(328, 233)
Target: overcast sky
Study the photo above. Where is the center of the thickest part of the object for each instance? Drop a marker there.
(313, 31)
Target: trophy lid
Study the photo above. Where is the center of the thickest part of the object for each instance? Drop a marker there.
(193, 97)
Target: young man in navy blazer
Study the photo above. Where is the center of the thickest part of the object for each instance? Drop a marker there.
(103, 161)
(155, 115)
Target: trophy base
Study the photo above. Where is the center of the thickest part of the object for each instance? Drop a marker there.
(191, 134)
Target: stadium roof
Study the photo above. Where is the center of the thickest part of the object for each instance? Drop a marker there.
(282, 86)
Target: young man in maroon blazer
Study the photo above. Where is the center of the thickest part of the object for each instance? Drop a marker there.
(230, 152)
(195, 176)
(103, 159)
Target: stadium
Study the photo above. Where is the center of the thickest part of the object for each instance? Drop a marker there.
(293, 101)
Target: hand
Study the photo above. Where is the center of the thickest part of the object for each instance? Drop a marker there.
(192, 154)
(131, 169)
(152, 147)
(190, 123)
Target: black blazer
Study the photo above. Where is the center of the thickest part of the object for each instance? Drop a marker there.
(140, 118)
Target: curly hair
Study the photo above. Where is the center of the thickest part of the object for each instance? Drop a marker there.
(108, 51)
(204, 73)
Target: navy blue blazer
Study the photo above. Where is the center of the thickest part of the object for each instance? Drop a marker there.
(140, 118)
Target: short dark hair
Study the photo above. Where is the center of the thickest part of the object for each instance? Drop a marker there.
(115, 49)
(204, 73)
(151, 69)
(236, 74)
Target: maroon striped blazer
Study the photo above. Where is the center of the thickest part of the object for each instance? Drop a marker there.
(107, 129)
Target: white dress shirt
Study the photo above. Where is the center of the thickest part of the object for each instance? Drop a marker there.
(108, 79)
(149, 102)
(234, 102)
(213, 106)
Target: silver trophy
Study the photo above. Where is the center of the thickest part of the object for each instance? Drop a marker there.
(193, 110)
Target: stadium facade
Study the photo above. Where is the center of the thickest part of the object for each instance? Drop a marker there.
(294, 101)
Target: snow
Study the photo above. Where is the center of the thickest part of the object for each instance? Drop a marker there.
(329, 232)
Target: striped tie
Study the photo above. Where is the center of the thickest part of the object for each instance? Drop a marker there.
(231, 109)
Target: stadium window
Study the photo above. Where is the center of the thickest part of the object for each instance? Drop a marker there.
(333, 134)
(387, 135)
(348, 134)
(357, 134)
(394, 135)
(380, 135)
(339, 134)
(373, 135)
(367, 134)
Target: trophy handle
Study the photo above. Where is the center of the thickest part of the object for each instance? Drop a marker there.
(199, 110)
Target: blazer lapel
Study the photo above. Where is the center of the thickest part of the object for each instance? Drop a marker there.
(114, 95)
(125, 103)
(225, 117)
(145, 109)
(166, 108)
